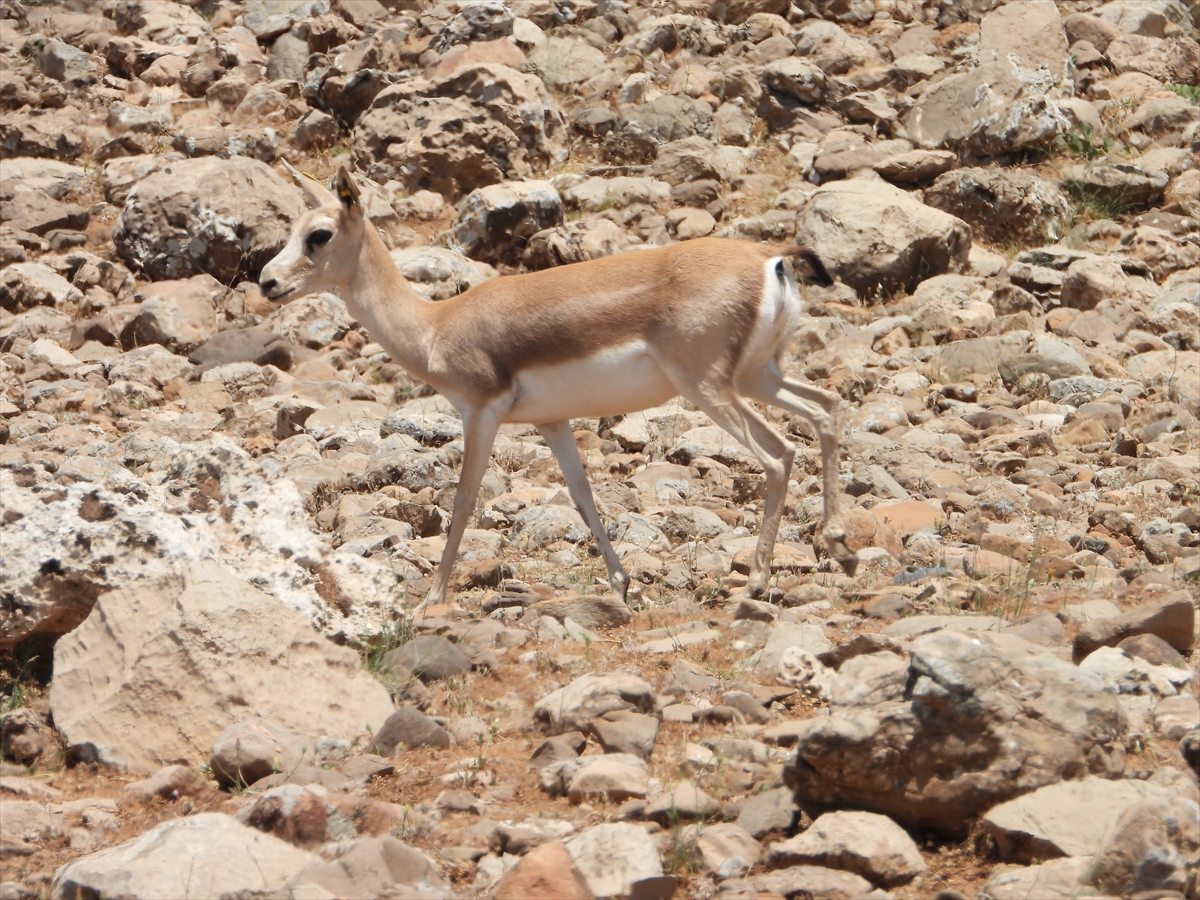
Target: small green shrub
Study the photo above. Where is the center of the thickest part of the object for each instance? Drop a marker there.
(1082, 142)
(1188, 92)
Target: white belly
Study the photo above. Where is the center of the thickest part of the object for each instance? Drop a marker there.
(620, 380)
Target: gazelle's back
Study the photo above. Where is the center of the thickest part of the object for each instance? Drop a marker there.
(702, 296)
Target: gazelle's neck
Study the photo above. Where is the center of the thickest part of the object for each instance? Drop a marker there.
(380, 298)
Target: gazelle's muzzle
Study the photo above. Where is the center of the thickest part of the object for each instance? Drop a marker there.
(270, 289)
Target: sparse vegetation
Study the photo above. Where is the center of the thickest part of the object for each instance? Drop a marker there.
(683, 856)
(17, 684)
(1090, 204)
(396, 634)
(1083, 142)
(316, 517)
(1189, 92)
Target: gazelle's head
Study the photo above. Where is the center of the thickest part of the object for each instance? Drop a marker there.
(322, 252)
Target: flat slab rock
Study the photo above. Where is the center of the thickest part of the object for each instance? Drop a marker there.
(865, 843)
(161, 669)
(915, 626)
(206, 855)
(728, 849)
(375, 867)
(785, 635)
(545, 873)
(1057, 879)
(590, 611)
(591, 696)
(613, 858)
(609, 779)
(1072, 818)
(1172, 619)
(813, 881)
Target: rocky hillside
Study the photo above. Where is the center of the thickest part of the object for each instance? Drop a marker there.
(218, 512)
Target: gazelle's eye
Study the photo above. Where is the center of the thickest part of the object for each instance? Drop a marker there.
(319, 238)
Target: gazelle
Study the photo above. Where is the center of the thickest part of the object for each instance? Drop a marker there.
(709, 320)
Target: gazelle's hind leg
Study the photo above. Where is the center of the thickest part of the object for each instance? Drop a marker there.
(561, 442)
(818, 407)
(775, 453)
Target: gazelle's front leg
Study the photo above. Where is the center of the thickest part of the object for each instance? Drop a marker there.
(818, 407)
(561, 442)
(479, 433)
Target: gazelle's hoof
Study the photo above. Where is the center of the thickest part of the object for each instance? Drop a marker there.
(620, 583)
(847, 559)
(634, 596)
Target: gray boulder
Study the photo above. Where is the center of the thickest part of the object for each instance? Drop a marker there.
(1173, 60)
(772, 810)
(32, 174)
(994, 109)
(44, 133)
(999, 203)
(437, 273)
(259, 345)
(1093, 280)
(690, 159)
(563, 62)
(428, 656)
(593, 611)
(181, 315)
(501, 119)
(496, 222)
(1171, 618)
(267, 20)
(25, 285)
(1031, 33)
(409, 727)
(1123, 185)
(645, 127)
(39, 213)
(877, 238)
(255, 748)
(988, 717)
(623, 731)
(226, 217)
(1058, 879)
(108, 529)
(376, 867)
(795, 78)
(832, 49)
(431, 420)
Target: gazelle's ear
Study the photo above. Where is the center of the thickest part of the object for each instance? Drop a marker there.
(347, 191)
(315, 194)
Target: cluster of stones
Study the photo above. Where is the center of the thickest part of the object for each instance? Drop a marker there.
(209, 500)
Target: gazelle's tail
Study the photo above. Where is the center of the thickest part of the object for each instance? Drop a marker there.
(820, 275)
